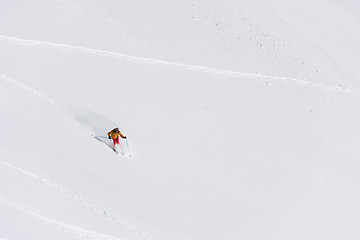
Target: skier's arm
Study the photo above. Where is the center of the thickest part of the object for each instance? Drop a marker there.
(121, 135)
(109, 133)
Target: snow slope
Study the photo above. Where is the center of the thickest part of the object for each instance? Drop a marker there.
(241, 117)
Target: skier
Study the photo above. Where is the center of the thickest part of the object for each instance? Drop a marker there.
(114, 134)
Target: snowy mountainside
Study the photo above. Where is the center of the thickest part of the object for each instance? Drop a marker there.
(241, 117)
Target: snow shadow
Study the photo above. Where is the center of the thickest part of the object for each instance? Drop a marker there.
(95, 123)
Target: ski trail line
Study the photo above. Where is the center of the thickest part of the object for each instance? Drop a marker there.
(43, 97)
(74, 48)
(80, 232)
(32, 91)
(121, 223)
(50, 101)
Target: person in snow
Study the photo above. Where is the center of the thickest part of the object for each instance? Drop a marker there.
(114, 135)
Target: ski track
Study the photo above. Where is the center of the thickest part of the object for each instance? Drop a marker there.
(52, 102)
(32, 91)
(77, 231)
(73, 48)
(123, 224)
(43, 97)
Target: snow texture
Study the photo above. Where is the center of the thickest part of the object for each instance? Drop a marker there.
(242, 120)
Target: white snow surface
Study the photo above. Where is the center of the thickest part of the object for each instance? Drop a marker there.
(242, 119)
